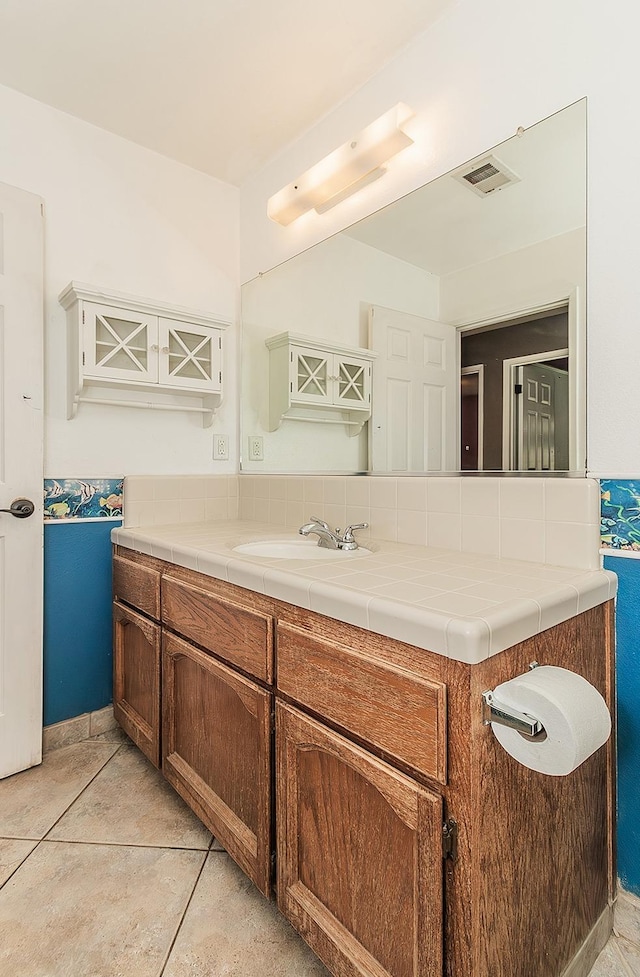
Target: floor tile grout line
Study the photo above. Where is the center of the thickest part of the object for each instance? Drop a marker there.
(80, 793)
(183, 916)
(617, 950)
(38, 841)
(20, 863)
(119, 844)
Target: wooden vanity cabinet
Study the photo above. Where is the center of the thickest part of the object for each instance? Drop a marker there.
(408, 842)
(136, 653)
(360, 868)
(217, 751)
(388, 844)
(216, 719)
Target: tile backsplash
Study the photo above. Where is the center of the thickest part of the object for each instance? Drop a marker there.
(544, 520)
(164, 499)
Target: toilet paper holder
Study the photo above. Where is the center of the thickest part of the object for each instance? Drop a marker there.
(494, 711)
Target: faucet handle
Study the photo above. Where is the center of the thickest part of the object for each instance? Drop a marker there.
(348, 533)
(321, 522)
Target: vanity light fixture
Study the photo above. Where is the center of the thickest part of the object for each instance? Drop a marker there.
(344, 171)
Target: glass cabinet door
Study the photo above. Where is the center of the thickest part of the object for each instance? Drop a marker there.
(190, 355)
(119, 344)
(310, 376)
(352, 382)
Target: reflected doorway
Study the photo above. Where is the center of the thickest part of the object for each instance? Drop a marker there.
(539, 414)
(513, 436)
(471, 417)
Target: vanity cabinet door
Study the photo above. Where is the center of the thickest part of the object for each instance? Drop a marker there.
(359, 845)
(136, 679)
(217, 752)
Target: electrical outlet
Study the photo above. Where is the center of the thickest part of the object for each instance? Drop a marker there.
(220, 447)
(256, 449)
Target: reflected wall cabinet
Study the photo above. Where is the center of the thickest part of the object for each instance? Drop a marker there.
(307, 374)
(132, 344)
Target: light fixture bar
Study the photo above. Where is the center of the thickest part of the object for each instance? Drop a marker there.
(344, 171)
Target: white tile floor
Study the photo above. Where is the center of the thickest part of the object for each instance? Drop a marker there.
(104, 872)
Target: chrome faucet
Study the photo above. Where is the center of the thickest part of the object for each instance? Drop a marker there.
(328, 538)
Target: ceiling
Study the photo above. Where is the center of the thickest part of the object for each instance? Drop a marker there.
(444, 226)
(221, 85)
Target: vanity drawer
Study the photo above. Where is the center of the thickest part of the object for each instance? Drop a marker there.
(382, 704)
(237, 634)
(137, 585)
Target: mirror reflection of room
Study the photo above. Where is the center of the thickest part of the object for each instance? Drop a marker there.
(459, 309)
(514, 395)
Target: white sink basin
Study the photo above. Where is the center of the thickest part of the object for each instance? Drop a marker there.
(296, 549)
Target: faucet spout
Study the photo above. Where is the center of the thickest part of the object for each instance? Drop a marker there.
(326, 536)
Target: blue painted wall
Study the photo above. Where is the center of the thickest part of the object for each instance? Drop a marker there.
(77, 618)
(628, 683)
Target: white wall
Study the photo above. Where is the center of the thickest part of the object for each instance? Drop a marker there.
(123, 218)
(324, 293)
(531, 277)
(473, 78)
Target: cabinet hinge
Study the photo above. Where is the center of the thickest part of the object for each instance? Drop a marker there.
(450, 839)
(220, 377)
(219, 342)
(83, 320)
(83, 358)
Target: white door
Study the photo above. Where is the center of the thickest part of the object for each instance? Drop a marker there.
(415, 393)
(21, 322)
(542, 429)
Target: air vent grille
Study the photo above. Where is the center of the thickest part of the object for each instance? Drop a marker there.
(487, 175)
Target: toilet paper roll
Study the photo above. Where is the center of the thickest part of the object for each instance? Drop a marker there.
(574, 715)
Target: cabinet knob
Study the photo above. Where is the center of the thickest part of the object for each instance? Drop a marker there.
(154, 348)
(164, 349)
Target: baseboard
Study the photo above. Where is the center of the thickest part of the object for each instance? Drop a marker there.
(588, 953)
(78, 728)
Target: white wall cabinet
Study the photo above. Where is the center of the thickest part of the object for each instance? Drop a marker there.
(135, 345)
(310, 380)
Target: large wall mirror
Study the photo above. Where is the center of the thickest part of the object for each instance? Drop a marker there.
(443, 333)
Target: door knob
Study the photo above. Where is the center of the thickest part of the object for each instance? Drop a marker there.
(21, 508)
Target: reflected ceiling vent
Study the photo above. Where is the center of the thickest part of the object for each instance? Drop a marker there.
(487, 175)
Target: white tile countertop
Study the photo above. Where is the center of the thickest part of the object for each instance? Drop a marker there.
(461, 605)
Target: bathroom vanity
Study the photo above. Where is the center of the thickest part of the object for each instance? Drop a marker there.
(347, 770)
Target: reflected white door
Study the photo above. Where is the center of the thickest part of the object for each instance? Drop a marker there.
(542, 439)
(415, 393)
(21, 324)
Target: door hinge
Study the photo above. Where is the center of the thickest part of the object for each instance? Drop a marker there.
(450, 839)
(517, 388)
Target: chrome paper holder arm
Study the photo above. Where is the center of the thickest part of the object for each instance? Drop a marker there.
(495, 712)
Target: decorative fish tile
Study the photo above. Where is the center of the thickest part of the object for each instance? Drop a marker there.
(77, 498)
(620, 514)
